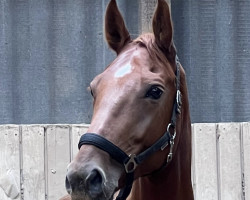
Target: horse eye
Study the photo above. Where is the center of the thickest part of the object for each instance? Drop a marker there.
(154, 92)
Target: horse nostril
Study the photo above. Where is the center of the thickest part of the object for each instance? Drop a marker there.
(87, 181)
(94, 182)
(67, 185)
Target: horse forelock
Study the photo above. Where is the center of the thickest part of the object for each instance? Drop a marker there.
(147, 40)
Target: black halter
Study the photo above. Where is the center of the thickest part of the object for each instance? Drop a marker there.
(131, 161)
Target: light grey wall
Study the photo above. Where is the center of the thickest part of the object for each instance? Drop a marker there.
(51, 49)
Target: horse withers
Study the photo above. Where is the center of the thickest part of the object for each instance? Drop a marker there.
(139, 139)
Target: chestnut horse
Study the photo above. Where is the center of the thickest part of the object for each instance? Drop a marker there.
(139, 139)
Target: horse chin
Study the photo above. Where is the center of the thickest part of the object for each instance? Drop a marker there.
(86, 197)
(108, 194)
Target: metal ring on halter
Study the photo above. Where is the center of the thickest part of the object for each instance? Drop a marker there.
(131, 165)
(171, 125)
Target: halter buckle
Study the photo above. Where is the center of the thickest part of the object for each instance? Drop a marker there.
(131, 165)
(178, 101)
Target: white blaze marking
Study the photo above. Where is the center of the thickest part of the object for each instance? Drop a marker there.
(123, 71)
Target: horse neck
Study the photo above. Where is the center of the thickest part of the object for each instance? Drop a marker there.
(173, 182)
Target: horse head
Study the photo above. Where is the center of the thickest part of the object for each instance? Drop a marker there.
(135, 101)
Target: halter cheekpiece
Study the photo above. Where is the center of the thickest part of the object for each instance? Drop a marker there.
(131, 161)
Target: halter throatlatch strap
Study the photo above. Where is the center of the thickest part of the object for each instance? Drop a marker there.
(131, 161)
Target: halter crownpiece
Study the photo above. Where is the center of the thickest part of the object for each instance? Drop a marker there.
(131, 161)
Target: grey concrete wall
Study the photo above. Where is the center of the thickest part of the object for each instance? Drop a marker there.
(51, 50)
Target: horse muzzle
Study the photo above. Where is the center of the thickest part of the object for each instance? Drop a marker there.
(92, 177)
(89, 183)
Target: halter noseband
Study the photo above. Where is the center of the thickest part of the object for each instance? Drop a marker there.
(131, 161)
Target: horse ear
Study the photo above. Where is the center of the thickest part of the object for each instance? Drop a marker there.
(116, 32)
(163, 29)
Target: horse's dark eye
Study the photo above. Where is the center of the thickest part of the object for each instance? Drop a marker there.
(154, 92)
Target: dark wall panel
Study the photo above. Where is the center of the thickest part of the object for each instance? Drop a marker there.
(213, 42)
(51, 49)
(49, 53)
